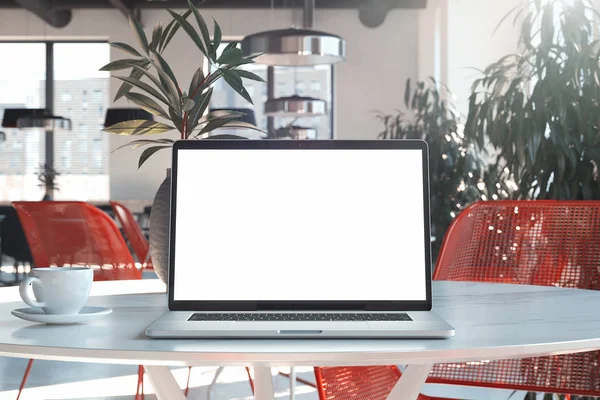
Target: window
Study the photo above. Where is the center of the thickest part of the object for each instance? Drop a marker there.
(22, 85)
(313, 81)
(88, 156)
(81, 94)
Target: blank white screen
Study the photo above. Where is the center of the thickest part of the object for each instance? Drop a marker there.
(300, 225)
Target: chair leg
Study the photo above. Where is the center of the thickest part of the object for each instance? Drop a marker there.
(250, 380)
(187, 385)
(139, 393)
(25, 376)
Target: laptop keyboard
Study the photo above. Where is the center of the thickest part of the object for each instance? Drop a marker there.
(299, 317)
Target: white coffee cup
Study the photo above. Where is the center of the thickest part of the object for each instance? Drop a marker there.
(62, 291)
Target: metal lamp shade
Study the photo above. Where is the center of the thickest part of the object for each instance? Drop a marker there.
(295, 106)
(116, 115)
(302, 132)
(12, 115)
(48, 123)
(294, 47)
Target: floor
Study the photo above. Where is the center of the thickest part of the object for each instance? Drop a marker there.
(50, 380)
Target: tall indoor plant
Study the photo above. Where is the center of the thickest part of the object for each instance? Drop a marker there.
(539, 108)
(152, 85)
(456, 170)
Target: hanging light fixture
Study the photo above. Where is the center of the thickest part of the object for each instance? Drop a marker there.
(296, 47)
(295, 106)
(12, 115)
(47, 122)
(121, 114)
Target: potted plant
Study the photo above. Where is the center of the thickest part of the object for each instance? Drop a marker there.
(457, 172)
(152, 85)
(47, 181)
(539, 108)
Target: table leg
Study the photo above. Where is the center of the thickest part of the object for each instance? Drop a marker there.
(263, 384)
(292, 383)
(213, 383)
(164, 384)
(410, 383)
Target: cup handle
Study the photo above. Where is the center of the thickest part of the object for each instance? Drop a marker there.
(26, 292)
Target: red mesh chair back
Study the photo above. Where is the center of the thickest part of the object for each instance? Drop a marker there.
(548, 243)
(357, 383)
(133, 232)
(75, 233)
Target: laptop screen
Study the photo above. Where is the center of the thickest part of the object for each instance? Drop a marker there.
(299, 225)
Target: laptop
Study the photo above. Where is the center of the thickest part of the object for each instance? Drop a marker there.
(299, 239)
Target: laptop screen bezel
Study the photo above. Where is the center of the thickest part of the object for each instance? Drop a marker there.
(314, 305)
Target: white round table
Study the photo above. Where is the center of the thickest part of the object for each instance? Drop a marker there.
(492, 321)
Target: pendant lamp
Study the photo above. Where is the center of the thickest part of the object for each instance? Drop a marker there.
(295, 106)
(294, 47)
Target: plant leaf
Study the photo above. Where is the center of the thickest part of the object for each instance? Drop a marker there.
(142, 142)
(203, 27)
(156, 36)
(145, 87)
(167, 69)
(202, 100)
(236, 84)
(190, 31)
(241, 125)
(138, 30)
(138, 127)
(215, 123)
(171, 30)
(167, 85)
(177, 119)
(217, 37)
(188, 104)
(196, 79)
(123, 64)
(126, 87)
(162, 85)
(146, 154)
(249, 75)
(407, 93)
(230, 56)
(230, 45)
(220, 114)
(126, 48)
(147, 104)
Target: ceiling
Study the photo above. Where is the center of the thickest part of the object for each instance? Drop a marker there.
(58, 13)
(72, 4)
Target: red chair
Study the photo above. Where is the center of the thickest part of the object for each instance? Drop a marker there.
(75, 233)
(134, 234)
(547, 243)
(357, 383)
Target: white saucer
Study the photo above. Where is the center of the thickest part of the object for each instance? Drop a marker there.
(38, 315)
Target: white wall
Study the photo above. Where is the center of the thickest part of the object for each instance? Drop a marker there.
(379, 61)
(474, 42)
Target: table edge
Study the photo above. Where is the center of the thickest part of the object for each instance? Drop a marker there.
(172, 358)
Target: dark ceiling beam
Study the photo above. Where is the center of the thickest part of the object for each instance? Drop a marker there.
(279, 4)
(58, 18)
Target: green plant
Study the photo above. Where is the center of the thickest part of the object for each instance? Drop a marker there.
(456, 171)
(47, 180)
(540, 108)
(160, 93)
